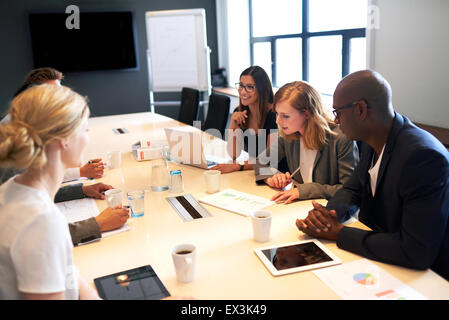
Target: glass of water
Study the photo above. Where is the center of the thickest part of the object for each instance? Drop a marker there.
(136, 200)
(160, 180)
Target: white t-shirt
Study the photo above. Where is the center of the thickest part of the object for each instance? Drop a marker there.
(35, 244)
(374, 171)
(306, 161)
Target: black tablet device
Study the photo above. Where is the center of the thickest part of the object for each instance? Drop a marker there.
(136, 284)
(296, 257)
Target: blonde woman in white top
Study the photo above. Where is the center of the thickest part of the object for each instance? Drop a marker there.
(46, 134)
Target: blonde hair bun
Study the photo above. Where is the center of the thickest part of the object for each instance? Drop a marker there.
(20, 147)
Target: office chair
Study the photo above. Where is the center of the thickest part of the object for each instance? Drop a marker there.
(190, 103)
(218, 113)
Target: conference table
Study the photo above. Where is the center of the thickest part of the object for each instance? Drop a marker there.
(227, 267)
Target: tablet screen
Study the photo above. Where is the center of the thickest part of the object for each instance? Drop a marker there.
(135, 284)
(296, 255)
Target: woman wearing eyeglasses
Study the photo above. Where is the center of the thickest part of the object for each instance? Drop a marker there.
(253, 114)
(319, 157)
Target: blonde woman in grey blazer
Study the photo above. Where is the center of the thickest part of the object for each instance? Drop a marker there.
(319, 157)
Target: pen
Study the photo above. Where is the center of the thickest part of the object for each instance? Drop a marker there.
(294, 172)
(91, 161)
(300, 176)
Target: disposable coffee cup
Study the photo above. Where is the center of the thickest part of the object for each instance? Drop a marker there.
(114, 197)
(212, 180)
(184, 259)
(261, 221)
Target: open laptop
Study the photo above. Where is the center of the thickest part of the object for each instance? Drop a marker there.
(186, 147)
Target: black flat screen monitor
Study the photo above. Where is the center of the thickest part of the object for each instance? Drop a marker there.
(104, 40)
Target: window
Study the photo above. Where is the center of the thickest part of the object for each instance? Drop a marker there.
(319, 41)
(288, 60)
(325, 62)
(262, 56)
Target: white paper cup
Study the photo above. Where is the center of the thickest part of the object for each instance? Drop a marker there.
(184, 259)
(114, 197)
(261, 221)
(212, 180)
(114, 159)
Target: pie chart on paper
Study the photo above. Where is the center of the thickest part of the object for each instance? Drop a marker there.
(365, 279)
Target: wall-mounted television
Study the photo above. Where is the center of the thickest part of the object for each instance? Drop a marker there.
(104, 41)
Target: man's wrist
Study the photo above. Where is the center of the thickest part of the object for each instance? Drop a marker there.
(338, 231)
(100, 223)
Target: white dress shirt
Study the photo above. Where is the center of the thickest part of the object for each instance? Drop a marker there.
(306, 161)
(374, 171)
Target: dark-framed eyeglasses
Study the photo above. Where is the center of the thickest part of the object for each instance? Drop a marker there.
(337, 111)
(249, 88)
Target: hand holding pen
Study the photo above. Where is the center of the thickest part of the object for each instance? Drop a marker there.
(94, 168)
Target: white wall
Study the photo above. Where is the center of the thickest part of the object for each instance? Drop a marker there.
(411, 50)
(233, 37)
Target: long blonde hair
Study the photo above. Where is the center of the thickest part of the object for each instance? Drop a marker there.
(302, 97)
(39, 115)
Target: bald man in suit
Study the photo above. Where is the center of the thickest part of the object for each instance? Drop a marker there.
(401, 185)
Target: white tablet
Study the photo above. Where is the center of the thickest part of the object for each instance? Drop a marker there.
(296, 257)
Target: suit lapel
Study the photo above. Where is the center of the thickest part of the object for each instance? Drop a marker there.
(398, 123)
(315, 163)
(317, 158)
(365, 164)
(383, 165)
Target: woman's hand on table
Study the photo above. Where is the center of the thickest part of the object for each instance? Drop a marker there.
(279, 180)
(286, 196)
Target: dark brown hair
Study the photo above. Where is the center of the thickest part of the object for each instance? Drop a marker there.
(264, 92)
(39, 76)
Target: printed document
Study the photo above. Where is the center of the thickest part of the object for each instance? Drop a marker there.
(82, 209)
(363, 280)
(236, 201)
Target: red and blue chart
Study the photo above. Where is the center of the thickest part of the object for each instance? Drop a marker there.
(365, 279)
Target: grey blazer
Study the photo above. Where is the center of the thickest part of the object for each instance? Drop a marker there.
(334, 164)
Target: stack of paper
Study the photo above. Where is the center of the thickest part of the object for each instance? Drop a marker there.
(82, 209)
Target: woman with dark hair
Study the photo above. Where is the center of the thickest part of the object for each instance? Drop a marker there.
(252, 120)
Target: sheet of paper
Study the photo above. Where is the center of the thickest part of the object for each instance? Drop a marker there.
(82, 209)
(172, 43)
(236, 201)
(363, 280)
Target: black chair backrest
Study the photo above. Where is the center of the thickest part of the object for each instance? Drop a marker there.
(217, 113)
(190, 102)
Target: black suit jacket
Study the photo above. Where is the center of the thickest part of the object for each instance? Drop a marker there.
(409, 212)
